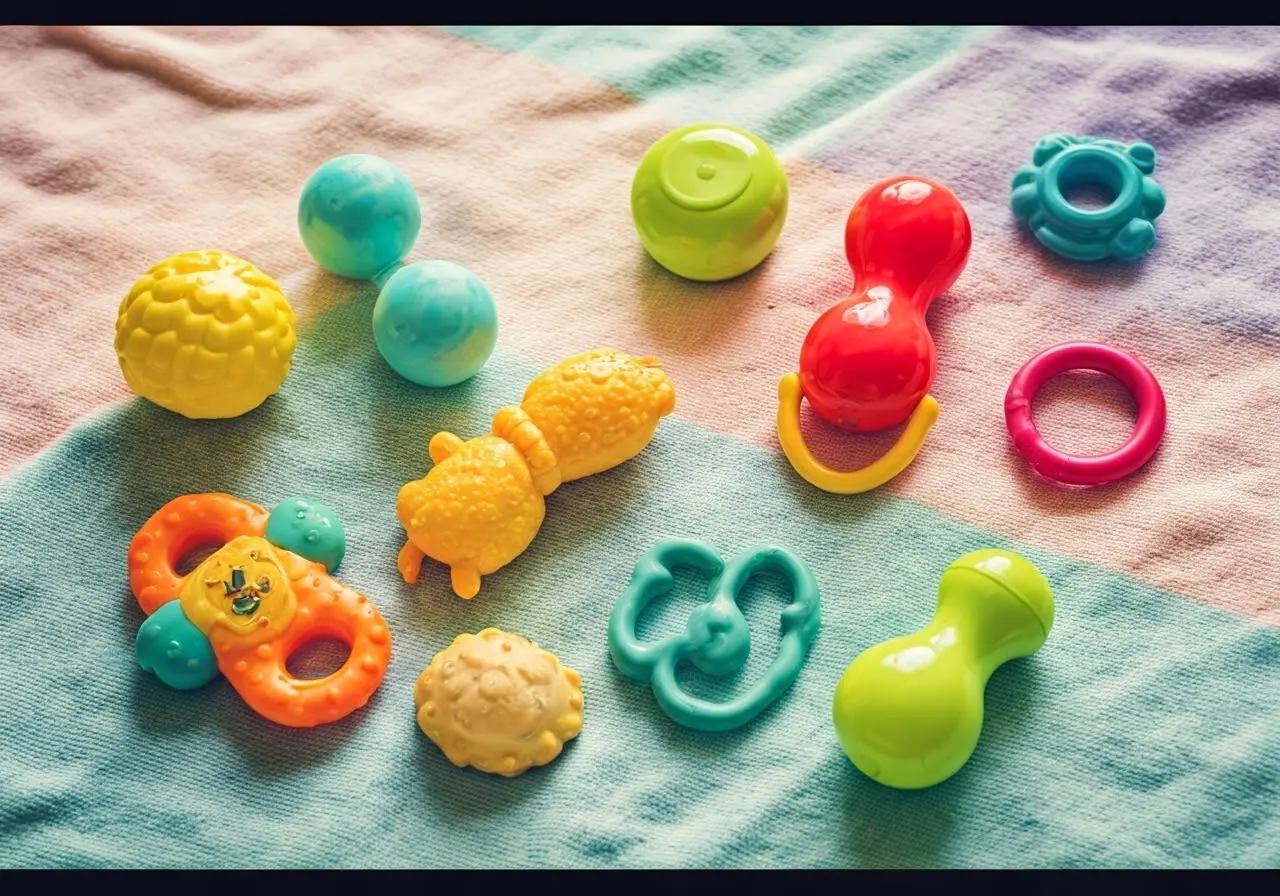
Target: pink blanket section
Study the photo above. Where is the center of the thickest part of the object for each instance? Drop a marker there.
(125, 145)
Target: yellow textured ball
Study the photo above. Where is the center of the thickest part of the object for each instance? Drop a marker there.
(205, 334)
(498, 702)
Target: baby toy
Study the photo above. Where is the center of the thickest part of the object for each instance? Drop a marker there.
(434, 321)
(482, 503)
(716, 638)
(868, 362)
(1062, 163)
(250, 605)
(908, 712)
(709, 201)
(1068, 470)
(498, 702)
(205, 334)
(309, 529)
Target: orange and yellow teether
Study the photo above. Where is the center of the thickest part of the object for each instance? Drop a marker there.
(247, 608)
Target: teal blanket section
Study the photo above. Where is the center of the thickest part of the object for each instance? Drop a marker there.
(1145, 733)
(780, 81)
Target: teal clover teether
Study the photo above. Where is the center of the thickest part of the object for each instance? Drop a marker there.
(1061, 163)
(716, 638)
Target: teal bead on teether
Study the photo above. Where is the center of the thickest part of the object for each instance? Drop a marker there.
(309, 529)
(358, 216)
(716, 638)
(174, 650)
(1062, 163)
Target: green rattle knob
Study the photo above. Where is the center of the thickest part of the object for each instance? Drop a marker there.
(908, 712)
(709, 201)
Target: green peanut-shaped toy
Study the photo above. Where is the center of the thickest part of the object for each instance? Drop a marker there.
(908, 712)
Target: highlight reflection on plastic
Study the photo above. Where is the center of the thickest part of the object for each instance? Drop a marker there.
(868, 362)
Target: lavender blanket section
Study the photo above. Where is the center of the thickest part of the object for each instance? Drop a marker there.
(1208, 99)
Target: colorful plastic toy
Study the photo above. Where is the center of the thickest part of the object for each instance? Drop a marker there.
(498, 702)
(1062, 163)
(709, 201)
(246, 609)
(359, 216)
(205, 334)
(717, 638)
(868, 362)
(482, 503)
(310, 530)
(1101, 469)
(908, 712)
(434, 321)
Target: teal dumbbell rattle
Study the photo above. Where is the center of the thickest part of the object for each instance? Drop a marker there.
(908, 712)
(434, 322)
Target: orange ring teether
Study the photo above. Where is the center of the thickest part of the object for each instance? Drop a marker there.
(177, 529)
(246, 609)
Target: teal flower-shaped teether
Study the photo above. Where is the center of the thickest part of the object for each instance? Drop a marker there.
(1061, 163)
(716, 638)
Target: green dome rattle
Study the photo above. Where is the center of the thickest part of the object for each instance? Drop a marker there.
(908, 712)
(709, 201)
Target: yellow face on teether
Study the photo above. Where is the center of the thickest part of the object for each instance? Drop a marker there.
(243, 589)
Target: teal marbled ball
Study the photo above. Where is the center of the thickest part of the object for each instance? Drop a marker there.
(435, 323)
(358, 215)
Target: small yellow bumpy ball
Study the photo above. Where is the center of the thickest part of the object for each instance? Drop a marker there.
(205, 334)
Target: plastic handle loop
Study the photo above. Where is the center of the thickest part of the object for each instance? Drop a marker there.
(851, 482)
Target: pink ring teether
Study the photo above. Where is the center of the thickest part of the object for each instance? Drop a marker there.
(1099, 469)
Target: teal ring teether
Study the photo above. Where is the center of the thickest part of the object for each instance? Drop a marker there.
(716, 638)
(1060, 163)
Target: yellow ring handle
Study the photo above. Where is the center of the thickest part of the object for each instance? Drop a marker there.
(853, 482)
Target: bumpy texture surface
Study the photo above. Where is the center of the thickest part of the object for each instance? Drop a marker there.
(481, 505)
(499, 703)
(310, 529)
(205, 334)
(1146, 731)
(476, 511)
(598, 409)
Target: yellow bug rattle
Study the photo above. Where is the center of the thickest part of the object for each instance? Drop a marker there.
(482, 503)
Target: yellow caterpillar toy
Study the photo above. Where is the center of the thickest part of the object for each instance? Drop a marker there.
(482, 503)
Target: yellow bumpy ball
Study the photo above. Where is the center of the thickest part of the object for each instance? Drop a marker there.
(498, 702)
(483, 502)
(205, 334)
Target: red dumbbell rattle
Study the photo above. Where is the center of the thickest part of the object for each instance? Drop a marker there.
(869, 361)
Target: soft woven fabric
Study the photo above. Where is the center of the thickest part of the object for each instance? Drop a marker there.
(1145, 733)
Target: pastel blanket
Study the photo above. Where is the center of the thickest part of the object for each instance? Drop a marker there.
(1146, 733)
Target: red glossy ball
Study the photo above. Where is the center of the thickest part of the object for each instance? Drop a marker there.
(869, 360)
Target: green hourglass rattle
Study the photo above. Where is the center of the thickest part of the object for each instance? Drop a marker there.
(908, 712)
